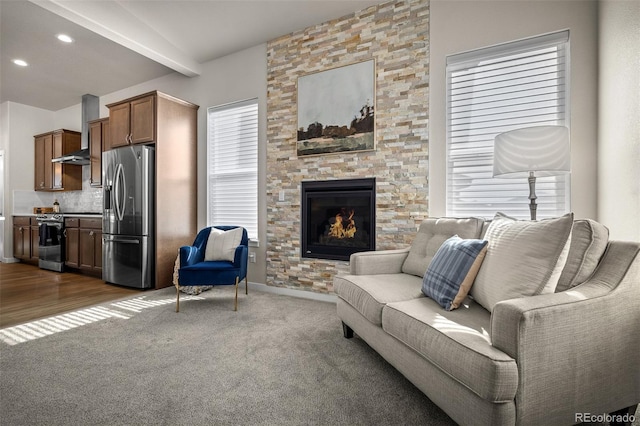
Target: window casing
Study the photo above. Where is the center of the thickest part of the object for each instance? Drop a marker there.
(232, 172)
(494, 90)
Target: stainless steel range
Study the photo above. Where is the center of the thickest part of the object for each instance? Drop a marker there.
(51, 241)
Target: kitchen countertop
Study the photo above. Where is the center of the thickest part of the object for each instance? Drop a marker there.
(82, 214)
(65, 214)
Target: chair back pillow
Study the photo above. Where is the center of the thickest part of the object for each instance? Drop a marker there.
(431, 234)
(524, 258)
(589, 241)
(221, 245)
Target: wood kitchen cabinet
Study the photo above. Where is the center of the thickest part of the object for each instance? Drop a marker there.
(133, 121)
(99, 134)
(72, 241)
(34, 231)
(43, 166)
(56, 176)
(25, 238)
(90, 247)
(84, 244)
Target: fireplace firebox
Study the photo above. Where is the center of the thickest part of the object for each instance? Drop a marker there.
(338, 218)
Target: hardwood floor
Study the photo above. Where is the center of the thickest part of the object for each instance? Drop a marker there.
(28, 293)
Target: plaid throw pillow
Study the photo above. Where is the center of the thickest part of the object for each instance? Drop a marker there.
(452, 270)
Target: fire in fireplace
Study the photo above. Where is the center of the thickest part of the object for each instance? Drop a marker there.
(338, 218)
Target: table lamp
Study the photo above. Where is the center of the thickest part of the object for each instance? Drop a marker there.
(532, 152)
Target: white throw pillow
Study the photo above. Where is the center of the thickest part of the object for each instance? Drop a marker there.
(524, 258)
(221, 245)
(589, 240)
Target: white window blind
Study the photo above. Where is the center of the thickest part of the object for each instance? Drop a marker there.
(494, 90)
(233, 165)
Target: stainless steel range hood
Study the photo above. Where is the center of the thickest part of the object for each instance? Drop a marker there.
(90, 111)
(79, 158)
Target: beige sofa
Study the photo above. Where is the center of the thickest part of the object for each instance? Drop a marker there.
(551, 358)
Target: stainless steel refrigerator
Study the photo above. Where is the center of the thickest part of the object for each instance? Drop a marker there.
(128, 216)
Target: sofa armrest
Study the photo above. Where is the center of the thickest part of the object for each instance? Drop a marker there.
(577, 351)
(378, 262)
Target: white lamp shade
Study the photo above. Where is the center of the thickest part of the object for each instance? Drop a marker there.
(544, 150)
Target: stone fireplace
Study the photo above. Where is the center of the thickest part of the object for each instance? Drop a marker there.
(338, 218)
(396, 35)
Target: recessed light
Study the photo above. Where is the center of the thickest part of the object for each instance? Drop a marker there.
(65, 38)
(20, 62)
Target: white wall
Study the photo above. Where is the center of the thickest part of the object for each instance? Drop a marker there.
(68, 118)
(458, 26)
(619, 119)
(18, 124)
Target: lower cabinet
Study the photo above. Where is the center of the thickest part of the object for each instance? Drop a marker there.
(35, 240)
(25, 238)
(84, 243)
(72, 242)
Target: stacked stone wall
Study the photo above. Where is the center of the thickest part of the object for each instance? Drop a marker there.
(396, 36)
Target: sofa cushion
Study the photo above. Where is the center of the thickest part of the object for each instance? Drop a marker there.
(221, 245)
(589, 240)
(452, 271)
(457, 342)
(431, 234)
(524, 258)
(368, 294)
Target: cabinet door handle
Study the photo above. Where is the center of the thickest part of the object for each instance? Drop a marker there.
(91, 234)
(64, 233)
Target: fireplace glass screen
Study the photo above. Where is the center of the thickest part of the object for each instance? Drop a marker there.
(338, 218)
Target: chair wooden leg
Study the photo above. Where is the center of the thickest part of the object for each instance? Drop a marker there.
(177, 298)
(236, 303)
(246, 285)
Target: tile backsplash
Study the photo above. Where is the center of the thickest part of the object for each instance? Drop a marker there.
(87, 200)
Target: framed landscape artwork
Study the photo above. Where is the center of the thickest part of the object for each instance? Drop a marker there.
(336, 110)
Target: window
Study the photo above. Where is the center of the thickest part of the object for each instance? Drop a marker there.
(494, 90)
(233, 165)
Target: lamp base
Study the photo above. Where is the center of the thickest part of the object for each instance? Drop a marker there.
(533, 207)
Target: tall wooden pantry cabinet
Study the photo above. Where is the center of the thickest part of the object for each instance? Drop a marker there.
(170, 124)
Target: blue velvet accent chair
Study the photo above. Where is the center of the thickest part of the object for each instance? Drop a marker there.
(195, 271)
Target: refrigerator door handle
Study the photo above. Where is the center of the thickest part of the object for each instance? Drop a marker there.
(112, 239)
(121, 191)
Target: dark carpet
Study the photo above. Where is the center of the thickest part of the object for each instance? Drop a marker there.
(279, 360)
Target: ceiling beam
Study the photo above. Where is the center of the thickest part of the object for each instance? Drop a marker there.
(110, 20)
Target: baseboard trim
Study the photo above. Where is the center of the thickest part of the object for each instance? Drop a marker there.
(322, 297)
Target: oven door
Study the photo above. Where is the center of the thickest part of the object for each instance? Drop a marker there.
(51, 246)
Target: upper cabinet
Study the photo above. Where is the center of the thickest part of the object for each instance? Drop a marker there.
(133, 121)
(56, 176)
(99, 131)
(43, 166)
